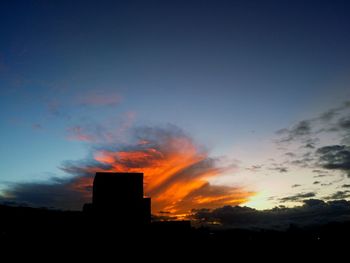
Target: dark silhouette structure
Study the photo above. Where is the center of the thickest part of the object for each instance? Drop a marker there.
(120, 197)
(118, 220)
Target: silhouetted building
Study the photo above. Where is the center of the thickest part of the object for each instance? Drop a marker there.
(120, 197)
(112, 188)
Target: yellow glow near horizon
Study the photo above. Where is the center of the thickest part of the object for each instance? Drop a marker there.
(259, 201)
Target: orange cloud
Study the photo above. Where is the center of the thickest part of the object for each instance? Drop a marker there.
(176, 172)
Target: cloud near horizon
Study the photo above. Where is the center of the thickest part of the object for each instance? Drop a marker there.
(311, 212)
(177, 173)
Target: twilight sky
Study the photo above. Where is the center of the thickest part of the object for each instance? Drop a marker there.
(218, 102)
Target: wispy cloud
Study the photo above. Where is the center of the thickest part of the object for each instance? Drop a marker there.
(335, 120)
(98, 99)
(105, 131)
(298, 197)
(301, 129)
(77, 133)
(338, 195)
(281, 168)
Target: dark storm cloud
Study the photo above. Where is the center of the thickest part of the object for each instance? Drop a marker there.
(298, 197)
(312, 212)
(62, 193)
(335, 157)
(296, 185)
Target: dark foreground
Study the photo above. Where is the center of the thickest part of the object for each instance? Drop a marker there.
(41, 229)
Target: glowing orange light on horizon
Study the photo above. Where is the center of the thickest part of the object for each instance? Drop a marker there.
(169, 179)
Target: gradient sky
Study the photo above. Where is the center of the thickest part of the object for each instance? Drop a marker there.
(230, 74)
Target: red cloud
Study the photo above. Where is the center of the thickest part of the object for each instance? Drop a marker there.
(76, 133)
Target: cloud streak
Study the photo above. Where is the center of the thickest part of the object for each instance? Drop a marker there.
(98, 99)
(77, 133)
(298, 197)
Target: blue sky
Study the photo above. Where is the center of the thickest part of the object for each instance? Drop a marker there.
(229, 73)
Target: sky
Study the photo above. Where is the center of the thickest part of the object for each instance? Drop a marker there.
(217, 102)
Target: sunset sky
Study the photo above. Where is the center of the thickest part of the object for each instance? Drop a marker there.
(217, 102)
